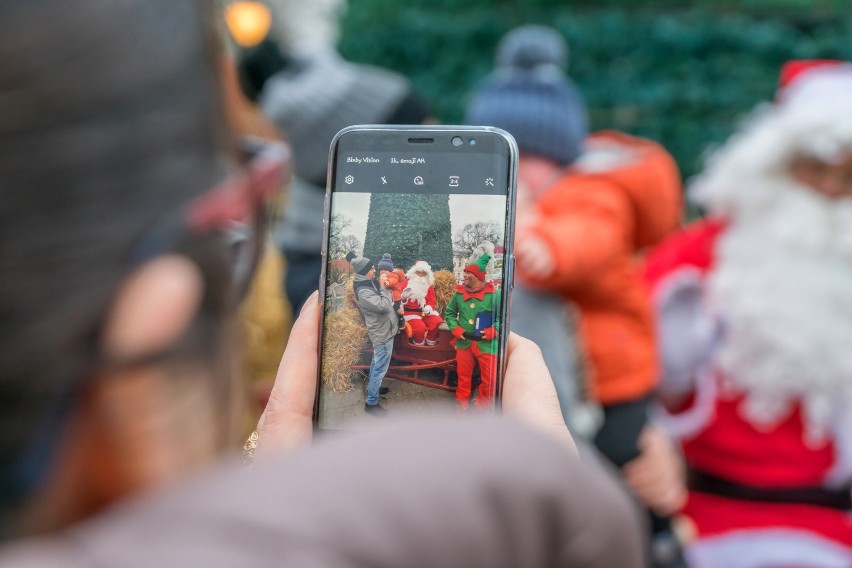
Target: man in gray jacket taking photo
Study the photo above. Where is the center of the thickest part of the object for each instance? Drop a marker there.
(374, 300)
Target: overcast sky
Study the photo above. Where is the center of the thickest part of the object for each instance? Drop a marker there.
(464, 210)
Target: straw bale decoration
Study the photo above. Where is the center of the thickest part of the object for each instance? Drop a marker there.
(445, 285)
(346, 336)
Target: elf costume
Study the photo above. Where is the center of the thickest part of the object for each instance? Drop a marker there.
(473, 317)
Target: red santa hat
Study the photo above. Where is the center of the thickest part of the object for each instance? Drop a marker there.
(793, 70)
(812, 116)
(809, 81)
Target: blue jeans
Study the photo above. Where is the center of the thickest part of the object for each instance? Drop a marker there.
(378, 368)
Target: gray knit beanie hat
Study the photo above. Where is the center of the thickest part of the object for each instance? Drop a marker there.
(386, 263)
(323, 93)
(531, 97)
(526, 47)
(360, 264)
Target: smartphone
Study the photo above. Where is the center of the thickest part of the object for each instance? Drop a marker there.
(417, 272)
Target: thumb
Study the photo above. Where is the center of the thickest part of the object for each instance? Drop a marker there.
(528, 391)
(287, 421)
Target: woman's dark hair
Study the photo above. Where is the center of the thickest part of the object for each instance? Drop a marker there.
(110, 117)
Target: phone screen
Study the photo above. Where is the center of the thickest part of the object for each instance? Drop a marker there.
(417, 272)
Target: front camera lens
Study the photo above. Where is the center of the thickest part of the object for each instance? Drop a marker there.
(456, 141)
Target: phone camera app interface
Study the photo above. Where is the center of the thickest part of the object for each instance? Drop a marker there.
(413, 284)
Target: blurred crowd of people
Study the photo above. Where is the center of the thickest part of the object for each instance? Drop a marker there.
(699, 365)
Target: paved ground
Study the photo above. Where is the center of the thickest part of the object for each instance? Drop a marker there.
(346, 410)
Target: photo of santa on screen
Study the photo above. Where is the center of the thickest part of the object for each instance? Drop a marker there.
(418, 303)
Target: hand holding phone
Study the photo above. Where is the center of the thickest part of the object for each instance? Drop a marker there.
(528, 394)
(434, 208)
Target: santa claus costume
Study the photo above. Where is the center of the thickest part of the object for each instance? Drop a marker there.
(418, 304)
(755, 307)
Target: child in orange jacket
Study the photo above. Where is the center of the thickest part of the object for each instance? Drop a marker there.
(581, 240)
(394, 280)
(587, 207)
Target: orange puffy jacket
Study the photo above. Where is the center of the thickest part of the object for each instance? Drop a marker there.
(623, 195)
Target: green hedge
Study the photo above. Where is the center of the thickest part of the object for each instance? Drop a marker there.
(682, 73)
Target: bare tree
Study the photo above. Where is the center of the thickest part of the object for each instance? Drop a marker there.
(339, 223)
(344, 244)
(473, 234)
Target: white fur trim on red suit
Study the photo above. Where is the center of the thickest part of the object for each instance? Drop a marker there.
(767, 548)
(688, 332)
(841, 472)
(688, 423)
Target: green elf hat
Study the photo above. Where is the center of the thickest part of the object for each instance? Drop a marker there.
(478, 268)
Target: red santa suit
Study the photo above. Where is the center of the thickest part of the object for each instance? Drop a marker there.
(418, 304)
(755, 326)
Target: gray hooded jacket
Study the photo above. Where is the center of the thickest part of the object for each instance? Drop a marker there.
(376, 304)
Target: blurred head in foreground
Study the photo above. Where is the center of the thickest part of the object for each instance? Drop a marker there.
(120, 189)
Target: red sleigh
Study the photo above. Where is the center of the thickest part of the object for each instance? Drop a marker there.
(429, 366)
(417, 363)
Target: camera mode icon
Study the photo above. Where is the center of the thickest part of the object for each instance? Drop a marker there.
(418, 180)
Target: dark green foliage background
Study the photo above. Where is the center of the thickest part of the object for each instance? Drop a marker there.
(410, 227)
(680, 72)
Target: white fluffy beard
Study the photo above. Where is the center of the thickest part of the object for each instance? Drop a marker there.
(783, 286)
(418, 287)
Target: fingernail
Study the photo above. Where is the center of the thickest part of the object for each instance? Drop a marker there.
(312, 299)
